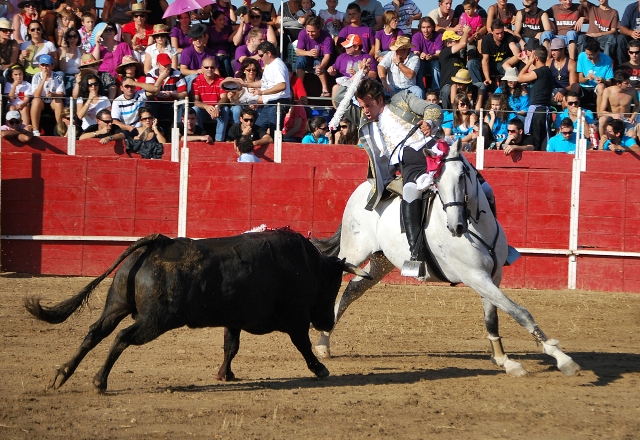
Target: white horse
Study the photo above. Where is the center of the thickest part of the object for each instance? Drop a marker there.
(465, 240)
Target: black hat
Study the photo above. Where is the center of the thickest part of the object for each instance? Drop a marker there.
(197, 30)
(33, 2)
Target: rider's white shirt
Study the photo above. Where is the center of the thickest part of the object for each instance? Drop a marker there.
(389, 130)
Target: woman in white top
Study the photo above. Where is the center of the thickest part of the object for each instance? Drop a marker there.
(37, 46)
(28, 11)
(161, 35)
(91, 99)
(70, 56)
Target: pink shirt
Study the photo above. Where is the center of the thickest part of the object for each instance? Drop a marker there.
(474, 22)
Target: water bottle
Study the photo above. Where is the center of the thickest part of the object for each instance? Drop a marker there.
(349, 66)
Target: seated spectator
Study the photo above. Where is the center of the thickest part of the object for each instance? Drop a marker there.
(170, 84)
(253, 19)
(91, 100)
(386, 36)
(354, 26)
(432, 97)
(628, 30)
(428, 45)
(567, 17)
(244, 149)
(563, 71)
(503, 11)
(207, 96)
(471, 17)
(462, 83)
(62, 128)
(516, 139)
(70, 56)
(195, 133)
(603, 26)
(442, 16)
(248, 127)
(130, 68)
(459, 123)
(65, 23)
(306, 11)
(346, 65)
(532, 23)
(398, 69)
(137, 34)
(317, 128)
(487, 135)
(29, 11)
(111, 53)
(14, 128)
(347, 133)
(267, 11)
(565, 140)
(407, 11)
(295, 124)
(47, 89)
(572, 103)
(516, 93)
(88, 22)
(250, 71)
(298, 92)
(17, 89)
(249, 50)
(193, 56)
(499, 52)
(38, 47)
(124, 109)
(161, 45)
(632, 67)
(617, 102)
(149, 130)
(218, 41)
(595, 70)
(179, 36)
(105, 129)
(9, 49)
(314, 50)
(615, 140)
(332, 18)
(498, 116)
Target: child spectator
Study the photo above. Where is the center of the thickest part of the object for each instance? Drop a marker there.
(18, 91)
(244, 149)
(498, 116)
(14, 128)
(88, 22)
(432, 97)
(306, 11)
(65, 23)
(471, 18)
(317, 128)
(332, 18)
(386, 36)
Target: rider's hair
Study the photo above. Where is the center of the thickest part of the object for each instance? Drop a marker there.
(517, 123)
(245, 144)
(370, 87)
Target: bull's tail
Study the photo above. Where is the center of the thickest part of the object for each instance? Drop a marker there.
(60, 312)
(329, 247)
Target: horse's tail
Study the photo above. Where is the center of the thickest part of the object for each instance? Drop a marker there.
(60, 312)
(329, 247)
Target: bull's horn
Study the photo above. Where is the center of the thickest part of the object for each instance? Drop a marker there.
(348, 267)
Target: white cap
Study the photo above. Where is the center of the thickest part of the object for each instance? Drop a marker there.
(13, 114)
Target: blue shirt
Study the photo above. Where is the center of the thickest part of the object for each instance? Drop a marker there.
(604, 68)
(500, 125)
(309, 139)
(248, 157)
(626, 142)
(459, 131)
(517, 103)
(558, 144)
(631, 17)
(588, 116)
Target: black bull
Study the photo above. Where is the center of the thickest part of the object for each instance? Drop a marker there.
(257, 282)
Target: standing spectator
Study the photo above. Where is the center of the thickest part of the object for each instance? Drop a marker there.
(353, 25)
(572, 101)
(516, 93)
(111, 53)
(398, 69)
(332, 18)
(195, 133)
(193, 56)
(615, 139)
(442, 16)
(249, 50)
(207, 96)
(471, 17)
(161, 45)
(499, 51)
(632, 67)
(407, 11)
(91, 100)
(595, 70)
(317, 128)
(537, 73)
(386, 36)
(428, 45)
(248, 127)
(371, 13)
(451, 62)
(180, 33)
(532, 23)
(17, 90)
(244, 149)
(218, 41)
(568, 18)
(170, 84)
(47, 89)
(629, 30)
(314, 50)
(14, 128)
(565, 140)
(105, 130)
(563, 71)
(603, 26)
(137, 34)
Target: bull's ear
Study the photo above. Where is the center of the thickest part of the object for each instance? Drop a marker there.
(348, 267)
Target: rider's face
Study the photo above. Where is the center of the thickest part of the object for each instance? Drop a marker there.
(371, 107)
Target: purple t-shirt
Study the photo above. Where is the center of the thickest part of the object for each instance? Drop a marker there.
(386, 40)
(111, 60)
(427, 46)
(247, 28)
(193, 60)
(342, 60)
(219, 41)
(243, 51)
(226, 10)
(324, 40)
(365, 33)
(183, 39)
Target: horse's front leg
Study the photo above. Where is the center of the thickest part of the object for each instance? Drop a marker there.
(498, 356)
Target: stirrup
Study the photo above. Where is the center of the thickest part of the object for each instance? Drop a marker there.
(413, 268)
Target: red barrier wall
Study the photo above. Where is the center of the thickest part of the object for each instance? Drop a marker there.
(103, 192)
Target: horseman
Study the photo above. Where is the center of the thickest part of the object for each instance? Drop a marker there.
(389, 134)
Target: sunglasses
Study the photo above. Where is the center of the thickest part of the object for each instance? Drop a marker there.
(35, 30)
(13, 121)
(92, 84)
(255, 16)
(572, 103)
(139, 15)
(148, 118)
(73, 36)
(512, 131)
(325, 128)
(463, 104)
(108, 121)
(248, 120)
(566, 133)
(250, 70)
(108, 29)
(208, 67)
(342, 127)
(260, 55)
(635, 52)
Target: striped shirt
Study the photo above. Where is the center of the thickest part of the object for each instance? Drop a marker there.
(209, 93)
(175, 82)
(126, 110)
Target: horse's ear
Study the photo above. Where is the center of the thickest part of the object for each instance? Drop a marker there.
(456, 148)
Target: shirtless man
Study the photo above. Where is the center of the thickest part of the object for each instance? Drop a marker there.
(616, 104)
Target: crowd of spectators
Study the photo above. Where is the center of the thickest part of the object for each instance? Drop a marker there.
(529, 69)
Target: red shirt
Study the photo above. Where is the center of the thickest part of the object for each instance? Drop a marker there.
(298, 88)
(209, 93)
(130, 28)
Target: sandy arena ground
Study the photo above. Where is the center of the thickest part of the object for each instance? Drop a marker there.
(409, 362)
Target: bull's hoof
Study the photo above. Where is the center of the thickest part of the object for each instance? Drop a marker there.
(321, 371)
(323, 351)
(515, 369)
(569, 368)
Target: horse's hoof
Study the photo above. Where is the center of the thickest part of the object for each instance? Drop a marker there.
(323, 351)
(515, 369)
(226, 377)
(569, 368)
(321, 371)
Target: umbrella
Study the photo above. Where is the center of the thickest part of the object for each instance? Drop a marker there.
(180, 6)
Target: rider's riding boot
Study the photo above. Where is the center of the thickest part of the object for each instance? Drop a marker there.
(412, 219)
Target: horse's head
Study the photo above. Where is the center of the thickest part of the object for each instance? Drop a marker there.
(452, 189)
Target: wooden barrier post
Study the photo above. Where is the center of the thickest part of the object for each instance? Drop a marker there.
(71, 132)
(175, 133)
(277, 141)
(480, 144)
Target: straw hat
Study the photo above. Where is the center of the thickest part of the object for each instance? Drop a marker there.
(5, 24)
(511, 74)
(160, 29)
(88, 60)
(138, 8)
(127, 60)
(462, 76)
(401, 42)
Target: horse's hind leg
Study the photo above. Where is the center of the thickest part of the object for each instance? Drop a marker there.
(498, 356)
(378, 267)
(111, 317)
